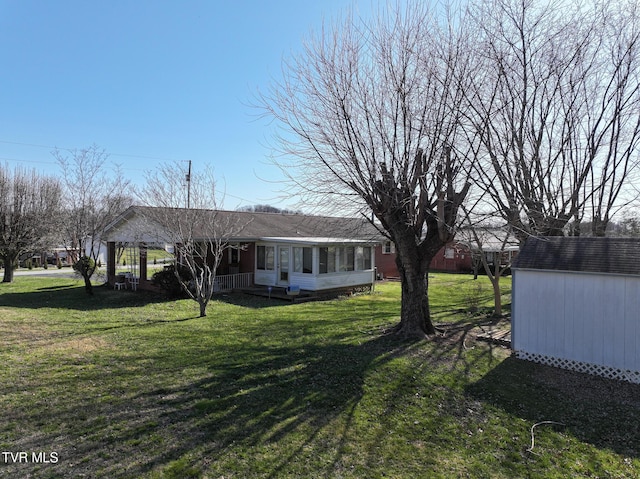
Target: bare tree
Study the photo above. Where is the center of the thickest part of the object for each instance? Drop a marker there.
(613, 115)
(29, 209)
(93, 197)
(492, 248)
(370, 120)
(268, 209)
(555, 101)
(199, 234)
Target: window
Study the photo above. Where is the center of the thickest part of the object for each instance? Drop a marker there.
(388, 247)
(327, 260)
(234, 254)
(346, 255)
(363, 258)
(449, 253)
(302, 260)
(266, 258)
(344, 259)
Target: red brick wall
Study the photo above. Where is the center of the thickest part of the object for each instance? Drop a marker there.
(461, 261)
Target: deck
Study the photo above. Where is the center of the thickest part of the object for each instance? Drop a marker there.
(275, 292)
(500, 336)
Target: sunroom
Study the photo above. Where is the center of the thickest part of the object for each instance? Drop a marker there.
(314, 264)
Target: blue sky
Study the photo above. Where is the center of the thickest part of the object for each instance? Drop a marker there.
(164, 80)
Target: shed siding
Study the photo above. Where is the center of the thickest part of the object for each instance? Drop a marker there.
(586, 318)
(631, 333)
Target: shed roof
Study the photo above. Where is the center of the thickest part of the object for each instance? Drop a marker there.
(583, 254)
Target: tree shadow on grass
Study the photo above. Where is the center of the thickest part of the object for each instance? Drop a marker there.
(71, 295)
(251, 301)
(256, 401)
(260, 301)
(602, 412)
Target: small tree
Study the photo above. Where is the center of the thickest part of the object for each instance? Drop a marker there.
(199, 233)
(491, 248)
(94, 196)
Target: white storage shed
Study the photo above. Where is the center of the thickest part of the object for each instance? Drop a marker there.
(576, 305)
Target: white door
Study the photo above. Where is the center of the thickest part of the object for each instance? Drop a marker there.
(283, 265)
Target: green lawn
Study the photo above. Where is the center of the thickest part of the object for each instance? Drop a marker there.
(125, 384)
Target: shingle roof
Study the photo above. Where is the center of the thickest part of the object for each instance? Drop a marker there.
(252, 226)
(584, 254)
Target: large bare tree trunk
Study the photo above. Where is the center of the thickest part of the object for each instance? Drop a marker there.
(415, 317)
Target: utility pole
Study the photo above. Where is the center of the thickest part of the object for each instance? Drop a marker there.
(188, 178)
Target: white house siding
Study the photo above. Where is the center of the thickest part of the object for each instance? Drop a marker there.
(341, 280)
(588, 322)
(317, 282)
(303, 281)
(265, 278)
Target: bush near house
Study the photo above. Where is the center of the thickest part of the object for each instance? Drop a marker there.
(167, 280)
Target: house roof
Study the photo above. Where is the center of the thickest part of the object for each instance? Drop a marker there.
(253, 226)
(492, 240)
(315, 241)
(581, 254)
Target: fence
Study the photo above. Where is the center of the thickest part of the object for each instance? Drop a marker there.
(229, 282)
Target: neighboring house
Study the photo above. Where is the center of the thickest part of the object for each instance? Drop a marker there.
(458, 256)
(99, 252)
(576, 305)
(454, 257)
(311, 253)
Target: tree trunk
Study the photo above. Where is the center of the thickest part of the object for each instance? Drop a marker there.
(599, 225)
(8, 273)
(88, 287)
(497, 296)
(9, 261)
(203, 309)
(415, 316)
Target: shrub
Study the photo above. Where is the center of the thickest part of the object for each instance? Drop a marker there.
(167, 280)
(84, 264)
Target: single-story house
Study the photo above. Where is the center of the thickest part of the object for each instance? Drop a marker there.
(454, 257)
(313, 253)
(576, 305)
(458, 256)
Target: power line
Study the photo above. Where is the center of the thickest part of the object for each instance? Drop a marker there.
(122, 155)
(27, 161)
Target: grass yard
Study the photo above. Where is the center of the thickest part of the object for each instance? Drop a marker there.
(126, 385)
